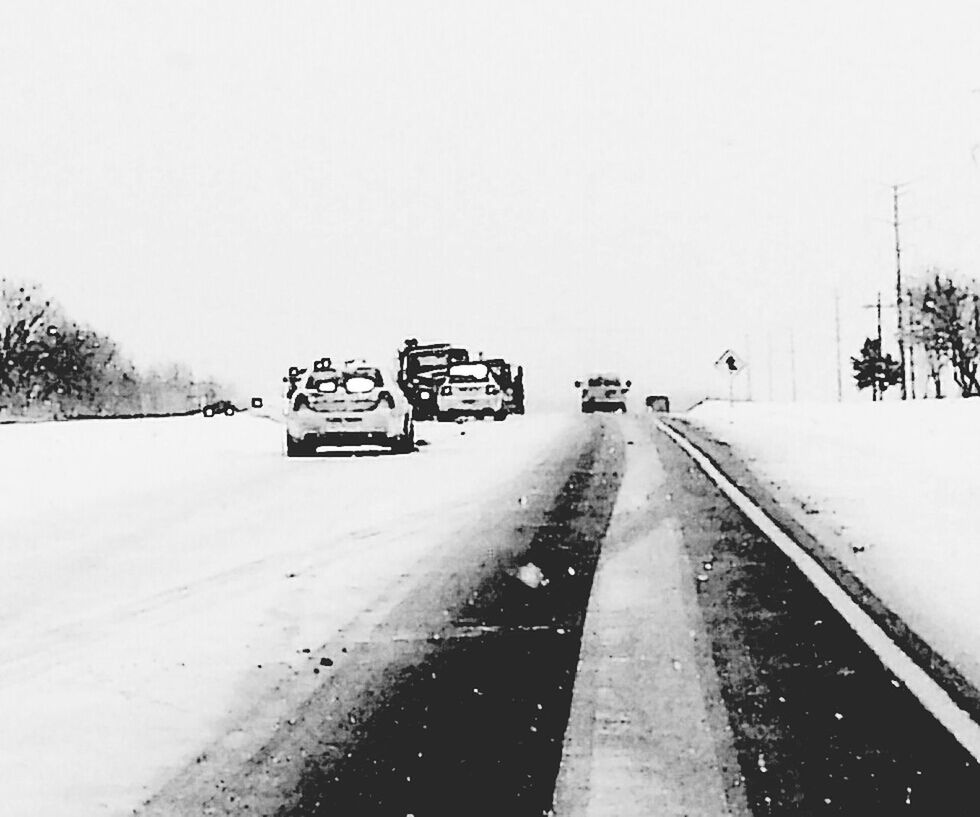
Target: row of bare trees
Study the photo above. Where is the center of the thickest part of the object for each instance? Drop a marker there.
(51, 366)
(942, 333)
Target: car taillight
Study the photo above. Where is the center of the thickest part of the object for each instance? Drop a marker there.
(446, 390)
(491, 389)
(385, 397)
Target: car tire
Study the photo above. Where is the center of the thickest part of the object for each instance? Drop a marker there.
(297, 448)
(208, 412)
(622, 408)
(404, 443)
(500, 416)
(230, 411)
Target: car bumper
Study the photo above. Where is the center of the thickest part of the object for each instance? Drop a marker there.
(345, 428)
(602, 405)
(469, 404)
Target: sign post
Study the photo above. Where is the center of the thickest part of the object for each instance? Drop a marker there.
(732, 364)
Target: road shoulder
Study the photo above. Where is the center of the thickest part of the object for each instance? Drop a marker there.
(792, 517)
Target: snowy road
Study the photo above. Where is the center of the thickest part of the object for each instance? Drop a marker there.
(158, 576)
(191, 623)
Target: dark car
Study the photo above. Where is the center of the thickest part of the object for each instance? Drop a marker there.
(220, 407)
(603, 392)
(658, 402)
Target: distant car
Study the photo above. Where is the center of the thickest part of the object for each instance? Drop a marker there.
(470, 389)
(603, 392)
(220, 407)
(658, 402)
(354, 404)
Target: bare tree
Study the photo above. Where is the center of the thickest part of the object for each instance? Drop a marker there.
(26, 319)
(945, 315)
(56, 368)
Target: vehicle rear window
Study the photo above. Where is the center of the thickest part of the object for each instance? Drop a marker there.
(362, 380)
(429, 361)
(324, 378)
(354, 382)
(469, 371)
(604, 381)
(435, 360)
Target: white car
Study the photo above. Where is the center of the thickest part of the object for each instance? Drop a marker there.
(354, 404)
(470, 388)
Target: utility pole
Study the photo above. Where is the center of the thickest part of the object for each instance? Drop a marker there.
(874, 394)
(840, 393)
(898, 292)
(908, 292)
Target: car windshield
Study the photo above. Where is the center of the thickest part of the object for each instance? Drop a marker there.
(469, 372)
(432, 360)
(438, 359)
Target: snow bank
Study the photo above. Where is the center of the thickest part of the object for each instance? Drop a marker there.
(897, 479)
(155, 575)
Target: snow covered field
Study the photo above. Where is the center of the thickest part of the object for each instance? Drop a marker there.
(897, 479)
(149, 568)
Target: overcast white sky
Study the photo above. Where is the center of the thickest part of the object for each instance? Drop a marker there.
(621, 185)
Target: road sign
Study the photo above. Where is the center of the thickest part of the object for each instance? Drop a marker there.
(730, 362)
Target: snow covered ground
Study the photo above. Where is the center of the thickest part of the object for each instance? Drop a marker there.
(150, 568)
(897, 479)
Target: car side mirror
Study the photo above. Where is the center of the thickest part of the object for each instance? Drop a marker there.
(578, 384)
(629, 383)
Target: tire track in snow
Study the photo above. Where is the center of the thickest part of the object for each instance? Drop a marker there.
(476, 725)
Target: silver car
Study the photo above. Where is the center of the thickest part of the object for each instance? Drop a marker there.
(354, 404)
(470, 388)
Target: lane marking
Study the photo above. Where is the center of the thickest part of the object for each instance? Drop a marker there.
(926, 690)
